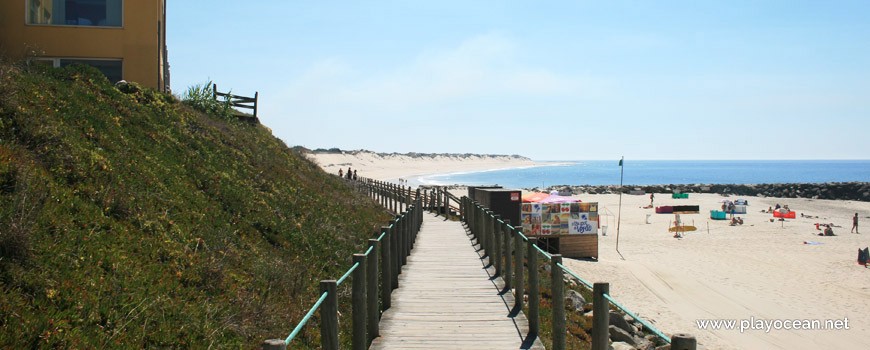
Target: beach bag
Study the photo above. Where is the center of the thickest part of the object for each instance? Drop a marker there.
(863, 256)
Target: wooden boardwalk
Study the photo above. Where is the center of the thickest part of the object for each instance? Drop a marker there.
(447, 299)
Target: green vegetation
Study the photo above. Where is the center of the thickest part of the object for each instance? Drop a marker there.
(129, 219)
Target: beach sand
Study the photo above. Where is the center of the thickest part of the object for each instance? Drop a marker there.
(761, 270)
(396, 166)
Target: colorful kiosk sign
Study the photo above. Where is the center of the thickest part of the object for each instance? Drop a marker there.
(572, 223)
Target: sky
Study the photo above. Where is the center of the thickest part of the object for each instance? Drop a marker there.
(554, 80)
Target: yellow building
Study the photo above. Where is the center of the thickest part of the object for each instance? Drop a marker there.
(125, 39)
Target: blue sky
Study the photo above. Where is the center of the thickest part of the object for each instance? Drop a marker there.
(548, 80)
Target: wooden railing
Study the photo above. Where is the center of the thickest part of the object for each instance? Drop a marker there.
(515, 258)
(238, 101)
(387, 253)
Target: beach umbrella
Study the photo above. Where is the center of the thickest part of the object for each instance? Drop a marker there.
(559, 199)
(534, 197)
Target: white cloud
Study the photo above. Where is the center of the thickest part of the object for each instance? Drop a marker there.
(485, 65)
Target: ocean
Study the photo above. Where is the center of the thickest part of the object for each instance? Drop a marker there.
(663, 172)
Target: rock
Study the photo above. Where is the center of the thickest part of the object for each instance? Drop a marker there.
(621, 346)
(587, 306)
(617, 334)
(643, 344)
(575, 301)
(589, 313)
(616, 319)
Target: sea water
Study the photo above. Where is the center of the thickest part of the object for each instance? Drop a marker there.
(663, 172)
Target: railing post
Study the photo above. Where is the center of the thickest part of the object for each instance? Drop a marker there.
(372, 290)
(358, 303)
(395, 254)
(386, 269)
(600, 316)
(446, 204)
(496, 250)
(518, 270)
(534, 291)
(274, 344)
(329, 316)
(400, 232)
(558, 284)
(508, 269)
(683, 342)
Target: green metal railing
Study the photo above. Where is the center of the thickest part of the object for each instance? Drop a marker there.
(488, 227)
(395, 243)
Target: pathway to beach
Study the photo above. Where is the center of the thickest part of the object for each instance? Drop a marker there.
(447, 299)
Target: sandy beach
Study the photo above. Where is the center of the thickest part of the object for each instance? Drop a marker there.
(760, 270)
(393, 167)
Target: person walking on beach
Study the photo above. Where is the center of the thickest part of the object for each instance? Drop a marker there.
(652, 197)
(340, 173)
(855, 223)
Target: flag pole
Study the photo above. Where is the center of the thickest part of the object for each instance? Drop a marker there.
(619, 218)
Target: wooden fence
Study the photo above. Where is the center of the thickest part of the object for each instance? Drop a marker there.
(515, 258)
(238, 101)
(387, 253)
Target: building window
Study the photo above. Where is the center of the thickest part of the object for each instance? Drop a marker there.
(112, 69)
(97, 13)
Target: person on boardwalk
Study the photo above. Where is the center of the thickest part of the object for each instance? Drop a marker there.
(354, 175)
(340, 173)
(855, 223)
(349, 173)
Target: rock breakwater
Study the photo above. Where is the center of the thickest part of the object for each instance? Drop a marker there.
(858, 191)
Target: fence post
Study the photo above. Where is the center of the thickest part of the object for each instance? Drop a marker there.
(498, 249)
(386, 269)
(394, 253)
(600, 316)
(518, 270)
(274, 344)
(358, 303)
(534, 291)
(400, 232)
(329, 316)
(446, 204)
(558, 284)
(508, 269)
(372, 290)
(683, 342)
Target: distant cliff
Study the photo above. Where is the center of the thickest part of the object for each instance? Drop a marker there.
(413, 155)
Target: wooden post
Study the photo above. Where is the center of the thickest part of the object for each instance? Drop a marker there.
(508, 269)
(534, 291)
(214, 92)
(559, 325)
(386, 269)
(400, 232)
(395, 254)
(256, 97)
(358, 303)
(329, 316)
(446, 204)
(274, 344)
(372, 290)
(497, 249)
(518, 270)
(600, 316)
(683, 342)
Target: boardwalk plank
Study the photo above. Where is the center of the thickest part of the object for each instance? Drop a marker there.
(448, 299)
